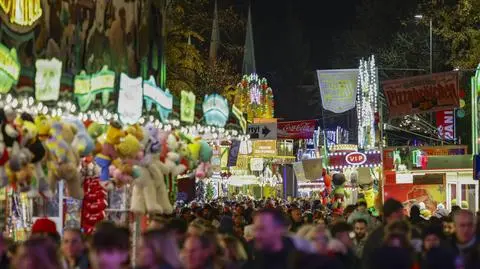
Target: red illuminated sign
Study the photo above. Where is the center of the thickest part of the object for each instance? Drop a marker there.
(356, 158)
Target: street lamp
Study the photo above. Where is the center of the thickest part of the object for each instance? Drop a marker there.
(420, 17)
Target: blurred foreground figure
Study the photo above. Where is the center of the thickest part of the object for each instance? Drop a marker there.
(37, 253)
(273, 249)
(110, 247)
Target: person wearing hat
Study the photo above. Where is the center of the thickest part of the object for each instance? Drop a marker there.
(46, 227)
(392, 211)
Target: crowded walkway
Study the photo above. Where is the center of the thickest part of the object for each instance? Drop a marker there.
(261, 234)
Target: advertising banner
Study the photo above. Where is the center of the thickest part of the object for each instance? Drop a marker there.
(422, 94)
(296, 129)
(338, 89)
(446, 124)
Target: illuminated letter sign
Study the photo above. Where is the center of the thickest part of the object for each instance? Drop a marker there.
(187, 107)
(87, 87)
(215, 110)
(47, 79)
(356, 158)
(162, 99)
(9, 68)
(130, 101)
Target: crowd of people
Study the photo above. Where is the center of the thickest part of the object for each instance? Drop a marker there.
(260, 234)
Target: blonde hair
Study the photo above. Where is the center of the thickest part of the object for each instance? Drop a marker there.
(164, 246)
(235, 248)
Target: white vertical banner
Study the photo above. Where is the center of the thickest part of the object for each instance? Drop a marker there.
(130, 99)
(47, 79)
(338, 88)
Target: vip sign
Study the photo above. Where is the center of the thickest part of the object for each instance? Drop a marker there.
(446, 124)
(356, 158)
(47, 79)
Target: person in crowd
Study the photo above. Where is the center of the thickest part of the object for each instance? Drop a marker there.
(179, 228)
(360, 212)
(392, 211)
(4, 259)
(48, 228)
(110, 247)
(320, 239)
(158, 249)
(186, 214)
(296, 219)
(38, 252)
(274, 250)
(200, 252)
(347, 212)
(235, 253)
(360, 227)
(432, 237)
(74, 249)
(465, 242)
(441, 211)
(432, 250)
(448, 226)
(415, 217)
(396, 251)
(341, 231)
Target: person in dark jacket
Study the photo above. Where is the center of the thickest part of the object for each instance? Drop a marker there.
(274, 250)
(341, 231)
(465, 244)
(392, 211)
(74, 249)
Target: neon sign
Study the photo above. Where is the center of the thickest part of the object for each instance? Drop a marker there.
(47, 79)
(356, 158)
(162, 99)
(215, 110)
(9, 68)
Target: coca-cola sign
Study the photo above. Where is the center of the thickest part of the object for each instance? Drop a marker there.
(296, 129)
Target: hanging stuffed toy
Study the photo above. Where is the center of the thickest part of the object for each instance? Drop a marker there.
(31, 141)
(11, 135)
(108, 153)
(123, 170)
(63, 160)
(149, 192)
(339, 193)
(82, 142)
(205, 155)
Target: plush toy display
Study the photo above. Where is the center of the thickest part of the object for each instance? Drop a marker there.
(82, 142)
(32, 142)
(123, 169)
(149, 192)
(62, 159)
(205, 154)
(339, 192)
(11, 135)
(108, 153)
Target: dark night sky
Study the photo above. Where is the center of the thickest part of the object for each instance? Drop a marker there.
(322, 21)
